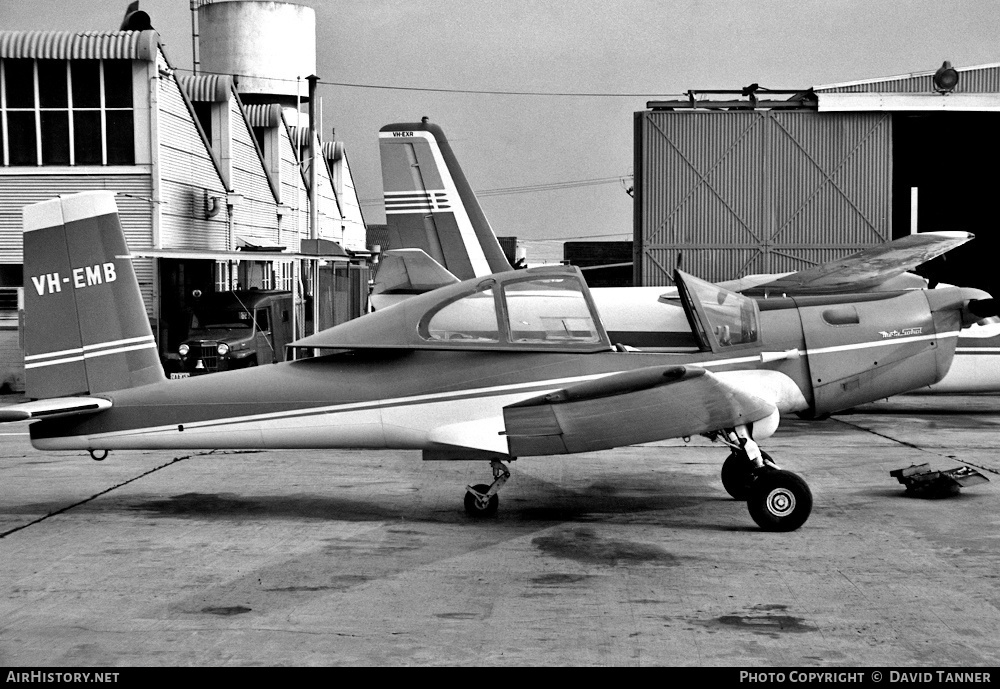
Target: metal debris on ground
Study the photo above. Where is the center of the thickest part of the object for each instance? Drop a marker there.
(923, 482)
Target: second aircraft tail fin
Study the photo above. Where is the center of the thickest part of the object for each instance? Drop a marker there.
(429, 204)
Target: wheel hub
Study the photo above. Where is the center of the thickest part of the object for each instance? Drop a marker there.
(781, 502)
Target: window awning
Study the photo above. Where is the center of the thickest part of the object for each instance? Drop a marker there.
(199, 255)
(67, 45)
(321, 247)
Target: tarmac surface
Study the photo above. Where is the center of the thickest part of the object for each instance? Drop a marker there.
(630, 557)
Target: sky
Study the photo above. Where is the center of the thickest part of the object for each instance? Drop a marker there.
(612, 56)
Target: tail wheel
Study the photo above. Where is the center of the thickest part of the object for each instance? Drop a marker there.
(779, 501)
(474, 508)
(738, 474)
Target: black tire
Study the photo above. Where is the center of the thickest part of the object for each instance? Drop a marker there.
(738, 474)
(779, 501)
(473, 508)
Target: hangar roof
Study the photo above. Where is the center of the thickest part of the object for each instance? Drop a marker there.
(973, 79)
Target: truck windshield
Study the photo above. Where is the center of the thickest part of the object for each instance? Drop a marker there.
(219, 317)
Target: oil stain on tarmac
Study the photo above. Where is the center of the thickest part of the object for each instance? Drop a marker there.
(583, 544)
(768, 620)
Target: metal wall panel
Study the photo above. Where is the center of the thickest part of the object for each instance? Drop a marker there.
(187, 177)
(293, 192)
(132, 194)
(746, 192)
(256, 215)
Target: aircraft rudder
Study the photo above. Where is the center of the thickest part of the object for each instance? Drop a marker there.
(486, 237)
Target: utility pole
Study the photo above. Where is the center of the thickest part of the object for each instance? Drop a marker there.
(313, 209)
(195, 38)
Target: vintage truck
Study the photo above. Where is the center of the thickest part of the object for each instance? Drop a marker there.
(232, 330)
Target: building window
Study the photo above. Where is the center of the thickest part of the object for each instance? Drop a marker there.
(224, 276)
(284, 275)
(59, 112)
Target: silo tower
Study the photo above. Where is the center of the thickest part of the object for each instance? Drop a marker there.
(266, 44)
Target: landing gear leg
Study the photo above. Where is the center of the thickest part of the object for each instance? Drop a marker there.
(778, 500)
(481, 500)
(738, 473)
(744, 463)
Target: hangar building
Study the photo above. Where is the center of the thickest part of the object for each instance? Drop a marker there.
(211, 177)
(758, 181)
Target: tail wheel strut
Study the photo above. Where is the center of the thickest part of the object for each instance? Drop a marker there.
(481, 500)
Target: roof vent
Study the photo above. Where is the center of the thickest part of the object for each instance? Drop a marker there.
(946, 78)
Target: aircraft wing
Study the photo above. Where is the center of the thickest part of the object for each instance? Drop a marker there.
(633, 407)
(866, 269)
(55, 407)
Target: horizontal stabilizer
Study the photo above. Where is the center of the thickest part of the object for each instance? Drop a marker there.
(403, 273)
(628, 408)
(410, 271)
(865, 270)
(53, 408)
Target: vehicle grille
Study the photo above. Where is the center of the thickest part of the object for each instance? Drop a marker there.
(209, 356)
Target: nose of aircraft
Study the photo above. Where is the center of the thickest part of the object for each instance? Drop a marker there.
(984, 307)
(979, 304)
(972, 304)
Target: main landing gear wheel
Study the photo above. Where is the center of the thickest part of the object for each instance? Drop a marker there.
(738, 473)
(779, 500)
(478, 508)
(481, 500)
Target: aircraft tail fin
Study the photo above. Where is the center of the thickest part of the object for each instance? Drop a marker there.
(429, 204)
(86, 329)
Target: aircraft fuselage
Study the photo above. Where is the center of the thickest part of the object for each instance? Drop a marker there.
(836, 353)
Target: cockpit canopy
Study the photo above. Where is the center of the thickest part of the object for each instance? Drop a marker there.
(541, 309)
(719, 318)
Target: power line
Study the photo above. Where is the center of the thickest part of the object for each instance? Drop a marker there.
(503, 191)
(489, 92)
(524, 189)
(570, 238)
(479, 92)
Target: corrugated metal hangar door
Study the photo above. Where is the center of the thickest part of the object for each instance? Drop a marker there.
(736, 193)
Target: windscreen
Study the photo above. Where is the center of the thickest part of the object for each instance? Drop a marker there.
(207, 318)
(551, 310)
(469, 319)
(731, 317)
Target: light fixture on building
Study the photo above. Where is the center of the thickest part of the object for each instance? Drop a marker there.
(946, 78)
